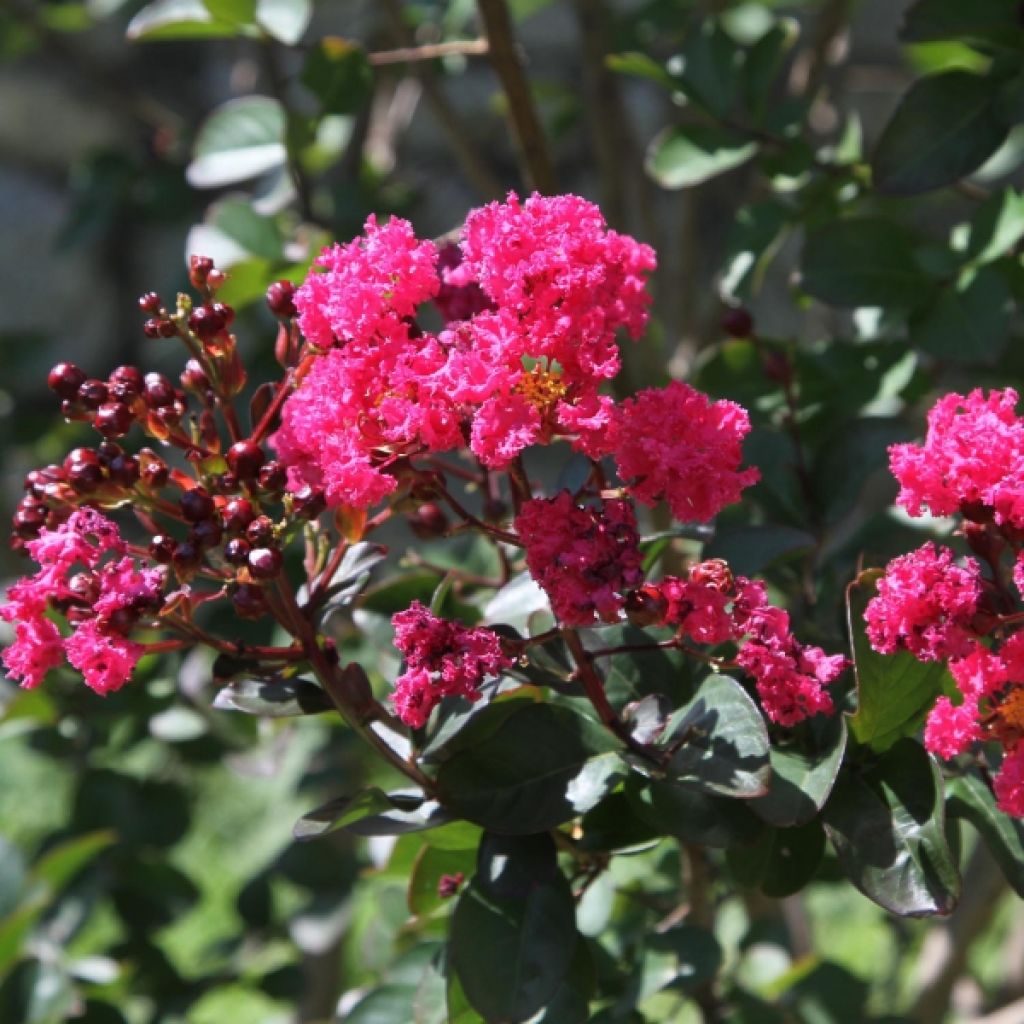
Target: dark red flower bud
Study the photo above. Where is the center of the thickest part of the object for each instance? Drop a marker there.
(196, 505)
(265, 563)
(273, 477)
(236, 551)
(113, 419)
(249, 601)
(159, 391)
(428, 521)
(93, 393)
(162, 548)
(245, 459)
(149, 303)
(65, 379)
(237, 514)
(207, 533)
(737, 322)
(280, 299)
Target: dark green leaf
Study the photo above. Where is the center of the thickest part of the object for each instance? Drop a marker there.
(274, 698)
(863, 262)
(633, 675)
(720, 741)
(373, 813)
(614, 825)
(968, 323)
(257, 236)
(781, 861)
(388, 1004)
(338, 73)
(521, 767)
(62, 862)
(709, 68)
(642, 66)
(887, 825)
(571, 1002)
(697, 954)
(689, 155)
(12, 877)
(945, 127)
(970, 798)
(755, 236)
(996, 227)
(513, 934)
(239, 140)
(894, 691)
(427, 869)
(803, 772)
(677, 809)
(990, 22)
(749, 549)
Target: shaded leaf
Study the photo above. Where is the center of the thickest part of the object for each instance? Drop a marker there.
(338, 73)
(970, 798)
(373, 812)
(990, 22)
(781, 861)
(887, 825)
(945, 127)
(273, 698)
(865, 261)
(722, 741)
(520, 767)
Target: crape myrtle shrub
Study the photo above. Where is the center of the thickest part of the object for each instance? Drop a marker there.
(596, 665)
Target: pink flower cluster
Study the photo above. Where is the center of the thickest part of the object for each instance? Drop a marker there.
(972, 457)
(587, 558)
(710, 607)
(532, 302)
(971, 463)
(103, 602)
(674, 443)
(443, 659)
(925, 604)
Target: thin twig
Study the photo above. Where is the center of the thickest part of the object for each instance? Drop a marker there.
(537, 167)
(410, 54)
(473, 163)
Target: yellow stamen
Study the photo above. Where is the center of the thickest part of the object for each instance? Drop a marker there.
(541, 388)
(1011, 710)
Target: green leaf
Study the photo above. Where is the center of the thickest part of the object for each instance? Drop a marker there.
(996, 227)
(513, 934)
(993, 23)
(373, 812)
(709, 67)
(177, 19)
(61, 863)
(520, 767)
(677, 809)
(696, 953)
(614, 825)
(235, 12)
(749, 549)
(969, 797)
(633, 675)
(720, 741)
(257, 236)
(239, 140)
(864, 261)
(969, 323)
(386, 1004)
(781, 861)
(753, 240)
(338, 73)
(945, 127)
(689, 155)
(273, 698)
(894, 691)
(887, 825)
(641, 66)
(430, 864)
(285, 20)
(764, 61)
(803, 772)
(571, 1002)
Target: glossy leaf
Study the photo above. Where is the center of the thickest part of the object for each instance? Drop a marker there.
(996, 227)
(864, 261)
(522, 767)
(781, 861)
(285, 20)
(894, 691)
(945, 127)
(689, 155)
(720, 741)
(513, 934)
(970, 798)
(373, 813)
(677, 809)
(887, 825)
(804, 771)
(273, 698)
(749, 549)
(239, 140)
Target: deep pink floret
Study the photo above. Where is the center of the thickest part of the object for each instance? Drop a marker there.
(951, 728)
(443, 659)
(674, 443)
(1009, 783)
(925, 604)
(585, 557)
(972, 458)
